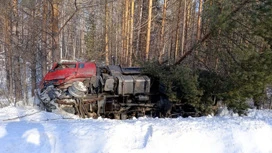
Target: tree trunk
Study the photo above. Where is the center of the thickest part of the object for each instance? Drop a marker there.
(162, 45)
(127, 32)
(183, 28)
(199, 20)
(106, 33)
(177, 33)
(44, 37)
(148, 30)
(139, 28)
(16, 54)
(131, 33)
(33, 77)
(187, 26)
(8, 53)
(55, 32)
(24, 83)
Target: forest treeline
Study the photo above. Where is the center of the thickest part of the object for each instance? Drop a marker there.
(208, 50)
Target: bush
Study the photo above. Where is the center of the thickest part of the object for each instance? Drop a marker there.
(179, 83)
(200, 89)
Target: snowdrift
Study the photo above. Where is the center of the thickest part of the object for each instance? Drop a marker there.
(27, 130)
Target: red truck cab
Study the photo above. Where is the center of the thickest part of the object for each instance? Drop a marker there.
(65, 72)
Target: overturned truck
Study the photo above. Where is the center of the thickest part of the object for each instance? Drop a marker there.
(85, 89)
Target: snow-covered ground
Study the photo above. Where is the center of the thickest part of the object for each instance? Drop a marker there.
(30, 130)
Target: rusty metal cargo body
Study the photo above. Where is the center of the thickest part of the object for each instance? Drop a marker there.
(129, 81)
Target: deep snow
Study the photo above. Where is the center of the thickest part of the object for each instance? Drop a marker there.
(30, 130)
